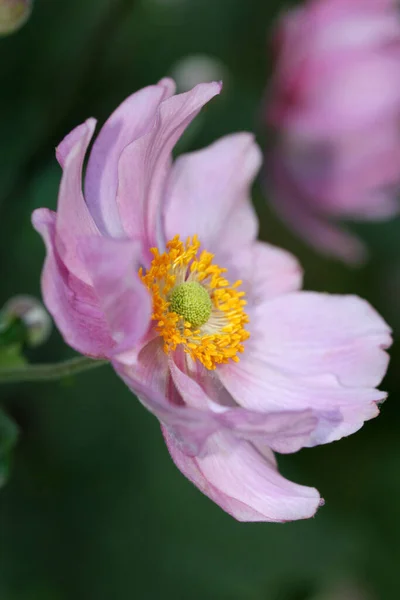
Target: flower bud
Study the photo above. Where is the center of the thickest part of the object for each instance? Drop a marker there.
(27, 316)
(13, 14)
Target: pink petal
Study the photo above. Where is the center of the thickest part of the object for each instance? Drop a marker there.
(284, 432)
(144, 165)
(72, 139)
(148, 377)
(125, 302)
(169, 85)
(131, 120)
(313, 351)
(243, 483)
(197, 385)
(311, 334)
(73, 216)
(71, 302)
(266, 271)
(209, 193)
(339, 410)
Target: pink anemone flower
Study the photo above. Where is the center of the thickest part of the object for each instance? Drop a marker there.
(156, 267)
(333, 107)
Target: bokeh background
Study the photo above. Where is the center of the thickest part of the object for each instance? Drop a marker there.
(93, 508)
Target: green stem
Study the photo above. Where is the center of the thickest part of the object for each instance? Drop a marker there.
(49, 372)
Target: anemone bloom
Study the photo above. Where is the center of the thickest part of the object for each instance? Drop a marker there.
(157, 268)
(334, 108)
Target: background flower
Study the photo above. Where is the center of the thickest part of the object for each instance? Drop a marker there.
(334, 107)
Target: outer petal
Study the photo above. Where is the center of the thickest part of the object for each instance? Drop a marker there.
(242, 482)
(313, 351)
(311, 334)
(143, 166)
(71, 302)
(73, 216)
(340, 410)
(125, 302)
(131, 120)
(209, 193)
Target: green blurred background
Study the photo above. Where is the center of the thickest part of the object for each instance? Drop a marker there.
(94, 507)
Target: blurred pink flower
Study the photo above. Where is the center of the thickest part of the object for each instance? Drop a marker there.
(334, 110)
(174, 323)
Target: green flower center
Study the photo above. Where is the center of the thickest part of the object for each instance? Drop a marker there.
(191, 301)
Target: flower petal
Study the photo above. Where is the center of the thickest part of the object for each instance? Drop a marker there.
(73, 216)
(309, 333)
(113, 265)
(131, 120)
(266, 271)
(147, 375)
(313, 351)
(339, 410)
(71, 302)
(284, 431)
(209, 193)
(243, 483)
(144, 165)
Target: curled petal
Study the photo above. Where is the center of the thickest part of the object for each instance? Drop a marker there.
(130, 121)
(144, 165)
(245, 484)
(71, 302)
(73, 216)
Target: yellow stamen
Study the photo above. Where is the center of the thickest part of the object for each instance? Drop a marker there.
(215, 338)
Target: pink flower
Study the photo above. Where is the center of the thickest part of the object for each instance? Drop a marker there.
(334, 108)
(125, 279)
